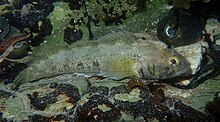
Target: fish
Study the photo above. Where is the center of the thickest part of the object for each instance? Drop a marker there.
(116, 55)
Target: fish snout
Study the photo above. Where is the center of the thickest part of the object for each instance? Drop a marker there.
(180, 70)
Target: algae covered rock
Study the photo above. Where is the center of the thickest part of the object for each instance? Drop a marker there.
(72, 97)
(50, 100)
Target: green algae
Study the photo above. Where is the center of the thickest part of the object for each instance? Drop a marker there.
(55, 42)
(59, 19)
(78, 81)
(11, 107)
(133, 96)
(104, 107)
(142, 21)
(109, 83)
(3, 9)
(205, 93)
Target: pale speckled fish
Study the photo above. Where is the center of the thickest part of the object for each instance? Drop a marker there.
(117, 55)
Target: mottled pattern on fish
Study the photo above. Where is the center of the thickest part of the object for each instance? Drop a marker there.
(117, 55)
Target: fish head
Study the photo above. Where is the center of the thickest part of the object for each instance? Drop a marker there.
(165, 64)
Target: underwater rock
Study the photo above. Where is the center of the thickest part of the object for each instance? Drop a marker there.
(45, 29)
(180, 28)
(194, 54)
(5, 27)
(72, 35)
(8, 70)
(12, 46)
(41, 118)
(76, 5)
(187, 4)
(96, 107)
(53, 97)
(213, 107)
(26, 15)
(4, 8)
(185, 113)
(60, 99)
(213, 32)
(32, 19)
(206, 9)
(5, 94)
(68, 93)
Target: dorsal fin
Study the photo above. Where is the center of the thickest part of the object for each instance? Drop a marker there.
(117, 35)
(109, 38)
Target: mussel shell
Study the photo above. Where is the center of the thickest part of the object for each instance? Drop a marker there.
(180, 29)
(20, 48)
(4, 28)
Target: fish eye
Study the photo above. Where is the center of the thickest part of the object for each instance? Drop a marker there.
(173, 61)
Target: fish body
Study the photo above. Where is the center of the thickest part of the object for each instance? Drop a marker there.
(117, 55)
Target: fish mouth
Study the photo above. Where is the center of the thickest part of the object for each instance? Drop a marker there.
(182, 72)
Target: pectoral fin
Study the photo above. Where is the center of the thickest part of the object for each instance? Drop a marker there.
(120, 67)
